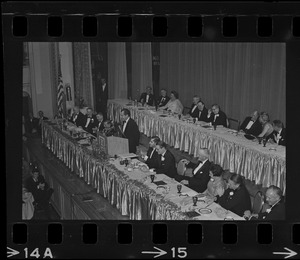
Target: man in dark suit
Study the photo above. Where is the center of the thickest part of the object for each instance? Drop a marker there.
(77, 117)
(152, 159)
(147, 97)
(90, 121)
(99, 125)
(216, 116)
(130, 130)
(202, 112)
(163, 99)
(167, 160)
(194, 112)
(103, 97)
(276, 206)
(31, 124)
(251, 124)
(41, 118)
(199, 173)
(278, 135)
(39, 188)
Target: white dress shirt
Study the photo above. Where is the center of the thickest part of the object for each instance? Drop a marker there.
(103, 86)
(125, 124)
(199, 166)
(147, 98)
(278, 136)
(249, 124)
(193, 108)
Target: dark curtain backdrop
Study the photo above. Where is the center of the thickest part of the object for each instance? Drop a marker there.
(82, 76)
(240, 77)
(99, 68)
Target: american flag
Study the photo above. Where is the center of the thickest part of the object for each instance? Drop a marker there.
(60, 92)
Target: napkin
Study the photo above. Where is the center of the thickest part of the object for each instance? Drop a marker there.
(159, 183)
(192, 214)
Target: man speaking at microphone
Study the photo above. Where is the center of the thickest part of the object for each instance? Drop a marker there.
(130, 130)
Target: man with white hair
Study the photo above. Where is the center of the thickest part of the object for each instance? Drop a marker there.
(199, 172)
(251, 125)
(276, 206)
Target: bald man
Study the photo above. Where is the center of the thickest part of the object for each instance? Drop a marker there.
(199, 177)
(251, 124)
(276, 207)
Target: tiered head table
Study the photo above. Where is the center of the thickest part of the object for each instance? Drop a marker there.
(231, 150)
(131, 192)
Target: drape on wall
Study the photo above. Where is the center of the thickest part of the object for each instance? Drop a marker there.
(82, 72)
(117, 72)
(141, 68)
(240, 77)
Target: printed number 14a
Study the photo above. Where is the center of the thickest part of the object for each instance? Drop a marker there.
(35, 253)
(180, 252)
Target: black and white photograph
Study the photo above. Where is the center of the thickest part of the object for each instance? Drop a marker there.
(154, 131)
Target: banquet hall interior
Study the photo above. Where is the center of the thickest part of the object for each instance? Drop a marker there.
(153, 130)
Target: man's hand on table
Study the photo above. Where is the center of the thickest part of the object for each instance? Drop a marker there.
(185, 182)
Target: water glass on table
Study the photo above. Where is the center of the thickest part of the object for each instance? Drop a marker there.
(179, 187)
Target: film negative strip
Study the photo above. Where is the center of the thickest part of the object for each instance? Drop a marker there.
(61, 53)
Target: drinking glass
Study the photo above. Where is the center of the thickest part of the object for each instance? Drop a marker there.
(259, 140)
(152, 176)
(265, 142)
(179, 187)
(195, 199)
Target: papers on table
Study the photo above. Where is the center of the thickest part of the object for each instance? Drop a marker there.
(127, 155)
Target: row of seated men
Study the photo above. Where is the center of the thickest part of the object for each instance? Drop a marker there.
(206, 177)
(256, 125)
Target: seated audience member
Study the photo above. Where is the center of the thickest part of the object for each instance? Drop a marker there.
(166, 160)
(267, 128)
(163, 99)
(130, 130)
(41, 118)
(216, 116)
(251, 125)
(174, 105)
(236, 197)
(152, 158)
(194, 112)
(202, 112)
(200, 172)
(278, 135)
(109, 129)
(27, 204)
(77, 117)
(39, 188)
(147, 97)
(99, 125)
(276, 206)
(216, 182)
(90, 121)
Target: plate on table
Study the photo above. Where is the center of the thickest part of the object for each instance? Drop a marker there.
(204, 211)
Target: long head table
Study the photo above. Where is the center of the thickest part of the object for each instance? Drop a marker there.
(131, 192)
(264, 165)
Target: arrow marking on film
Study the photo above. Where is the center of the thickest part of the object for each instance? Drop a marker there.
(11, 252)
(288, 254)
(158, 253)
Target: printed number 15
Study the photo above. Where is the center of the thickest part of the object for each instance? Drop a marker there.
(181, 252)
